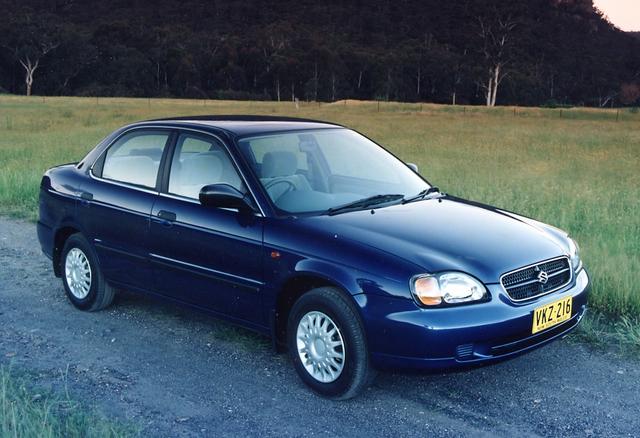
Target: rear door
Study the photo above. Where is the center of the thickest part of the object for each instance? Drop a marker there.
(208, 257)
(116, 204)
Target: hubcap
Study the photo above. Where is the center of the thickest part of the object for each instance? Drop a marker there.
(78, 273)
(320, 347)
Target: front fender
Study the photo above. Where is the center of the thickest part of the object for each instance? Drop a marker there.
(341, 276)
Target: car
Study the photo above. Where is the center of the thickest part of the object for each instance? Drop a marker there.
(314, 235)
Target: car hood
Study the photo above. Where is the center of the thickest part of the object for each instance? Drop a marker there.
(449, 234)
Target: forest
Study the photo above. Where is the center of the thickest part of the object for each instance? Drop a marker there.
(471, 52)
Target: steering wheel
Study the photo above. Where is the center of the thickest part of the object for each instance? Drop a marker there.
(290, 186)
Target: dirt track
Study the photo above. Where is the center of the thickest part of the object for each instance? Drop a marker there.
(179, 373)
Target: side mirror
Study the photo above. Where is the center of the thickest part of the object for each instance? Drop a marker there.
(413, 167)
(224, 196)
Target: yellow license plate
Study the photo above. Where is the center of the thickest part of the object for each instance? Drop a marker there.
(551, 314)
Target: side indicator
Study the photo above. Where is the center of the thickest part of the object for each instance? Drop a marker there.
(275, 255)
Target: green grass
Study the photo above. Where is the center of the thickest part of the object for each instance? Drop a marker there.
(578, 169)
(27, 412)
(622, 334)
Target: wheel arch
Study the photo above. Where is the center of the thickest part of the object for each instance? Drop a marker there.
(61, 235)
(308, 276)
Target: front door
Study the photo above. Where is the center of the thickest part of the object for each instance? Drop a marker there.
(208, 257)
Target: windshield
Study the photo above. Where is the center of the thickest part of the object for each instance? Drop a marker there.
(318, 170)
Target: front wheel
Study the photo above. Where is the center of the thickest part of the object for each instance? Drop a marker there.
(81, 276)
(327, 344)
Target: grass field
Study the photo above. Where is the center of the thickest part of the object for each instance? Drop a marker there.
(26, 412)
(577, 169)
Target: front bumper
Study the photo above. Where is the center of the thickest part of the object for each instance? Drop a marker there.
(401, 335)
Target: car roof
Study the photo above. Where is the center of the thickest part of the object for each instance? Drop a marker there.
(247, 124)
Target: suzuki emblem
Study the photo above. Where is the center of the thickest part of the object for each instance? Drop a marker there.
(543, 277)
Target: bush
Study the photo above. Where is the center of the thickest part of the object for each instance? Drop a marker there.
(552, 103)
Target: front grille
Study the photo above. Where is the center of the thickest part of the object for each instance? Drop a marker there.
(524, 283)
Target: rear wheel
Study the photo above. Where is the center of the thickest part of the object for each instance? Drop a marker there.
(83, 282)
(327, 344)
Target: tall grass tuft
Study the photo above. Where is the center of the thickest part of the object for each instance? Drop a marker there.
(27, 412)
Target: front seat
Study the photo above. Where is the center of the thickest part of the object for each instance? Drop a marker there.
(281, 166)
(196, 172)
(229, 174)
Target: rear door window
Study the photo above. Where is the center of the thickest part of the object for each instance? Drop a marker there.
(135, 158)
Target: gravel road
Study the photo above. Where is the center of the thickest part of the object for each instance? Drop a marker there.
(180, 373)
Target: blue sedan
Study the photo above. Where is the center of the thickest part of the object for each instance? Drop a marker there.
(313, 234)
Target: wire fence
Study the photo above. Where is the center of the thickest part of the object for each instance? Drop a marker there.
(292, 107)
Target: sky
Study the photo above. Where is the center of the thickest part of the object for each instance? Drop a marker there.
(625, 14)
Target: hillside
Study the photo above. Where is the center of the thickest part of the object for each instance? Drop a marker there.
(537, 51)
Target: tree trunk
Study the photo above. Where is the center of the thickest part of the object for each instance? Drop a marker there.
(293, 92)
(388, 85)
(278, 88)
(315, 82)
(30, 69)
(496, 82)
(453, 98)
(333, 87)
(490, 87)
(418, 86)
(359, 79)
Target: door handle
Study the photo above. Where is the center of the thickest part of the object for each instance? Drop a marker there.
(167, 215)
(86, 198)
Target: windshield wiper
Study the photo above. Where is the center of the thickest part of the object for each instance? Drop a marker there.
(423, 194)
(364, 203)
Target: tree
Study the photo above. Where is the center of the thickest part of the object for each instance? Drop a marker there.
(495, 37)
(629, 93)
(71, 58)
(464, 51)
(31, 37)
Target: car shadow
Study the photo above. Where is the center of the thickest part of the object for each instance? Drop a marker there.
(469, 377)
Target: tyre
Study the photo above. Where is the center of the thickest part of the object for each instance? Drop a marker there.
(327, 344)
(81, 276)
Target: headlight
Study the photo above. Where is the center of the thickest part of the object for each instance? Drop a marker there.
(574, 255)
(447, 287)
